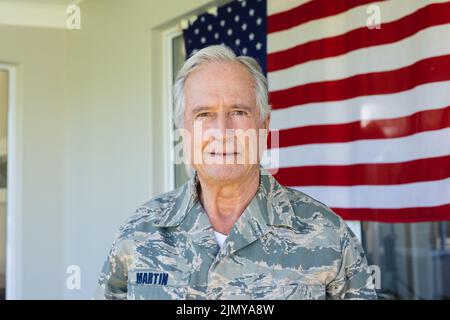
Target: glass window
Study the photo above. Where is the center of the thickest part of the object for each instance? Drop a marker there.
(414, 258)
(178, 58)
(3, 135)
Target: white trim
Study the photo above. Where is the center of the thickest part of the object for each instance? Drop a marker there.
(14, 176)
(169, 171)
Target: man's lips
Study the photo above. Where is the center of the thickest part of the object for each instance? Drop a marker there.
(222, 153)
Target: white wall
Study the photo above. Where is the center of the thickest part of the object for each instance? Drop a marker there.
(39, 55)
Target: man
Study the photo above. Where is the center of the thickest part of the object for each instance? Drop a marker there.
(232, 231)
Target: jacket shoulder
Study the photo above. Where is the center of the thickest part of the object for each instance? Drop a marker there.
(308, 209)
(150, 213)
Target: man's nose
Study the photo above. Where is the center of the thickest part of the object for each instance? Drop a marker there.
(223, 123)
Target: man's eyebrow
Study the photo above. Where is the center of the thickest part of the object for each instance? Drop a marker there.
(199, 109)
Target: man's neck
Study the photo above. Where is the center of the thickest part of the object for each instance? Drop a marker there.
(225, 203)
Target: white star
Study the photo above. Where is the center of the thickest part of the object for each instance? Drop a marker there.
(244, 50)
(230, 32)
(236, 18)
(229, 9)
(251, 36)
(216, 35)
(244, 26)
(202, 19)
(203, 40)
(196, 31)
(258, 46)
(243, 3)
(251, 12)
(209, 27)
(237, 41)
(258, 21)
(222, 22)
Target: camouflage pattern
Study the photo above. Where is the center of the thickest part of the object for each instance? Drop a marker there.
(285, 245)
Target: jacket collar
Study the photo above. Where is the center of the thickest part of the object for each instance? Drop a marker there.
(270, 206)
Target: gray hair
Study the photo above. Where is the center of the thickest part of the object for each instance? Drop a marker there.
(220, 53)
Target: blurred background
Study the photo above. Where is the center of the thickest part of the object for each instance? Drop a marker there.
(360, 92)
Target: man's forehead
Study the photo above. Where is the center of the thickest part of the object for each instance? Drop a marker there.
(219, 76)
(219, 85)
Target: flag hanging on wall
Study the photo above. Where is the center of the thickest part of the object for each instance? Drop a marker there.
(360, 92)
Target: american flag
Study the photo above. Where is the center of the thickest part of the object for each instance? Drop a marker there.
(363, 112)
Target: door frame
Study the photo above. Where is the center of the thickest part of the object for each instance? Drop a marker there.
(14, 186)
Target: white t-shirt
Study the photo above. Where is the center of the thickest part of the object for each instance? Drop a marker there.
(220, 238)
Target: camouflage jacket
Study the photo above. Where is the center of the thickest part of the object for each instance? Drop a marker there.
(285, 245)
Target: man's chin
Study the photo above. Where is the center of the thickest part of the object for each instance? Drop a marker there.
(224, 172)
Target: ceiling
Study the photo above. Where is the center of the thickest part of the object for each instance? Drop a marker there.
(35, 13)
(41, 2)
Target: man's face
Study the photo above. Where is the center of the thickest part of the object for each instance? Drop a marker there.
(223, 121)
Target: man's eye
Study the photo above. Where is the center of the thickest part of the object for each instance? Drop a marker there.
(203, 115)
(239, 113)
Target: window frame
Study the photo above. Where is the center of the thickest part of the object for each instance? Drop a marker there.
(14, 220)
(168, 157)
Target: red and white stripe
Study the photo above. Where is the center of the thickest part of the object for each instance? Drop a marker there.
(363, 114)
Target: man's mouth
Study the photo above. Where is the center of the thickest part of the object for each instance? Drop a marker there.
(223, 153)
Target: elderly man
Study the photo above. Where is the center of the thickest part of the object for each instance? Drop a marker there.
(232, 231)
